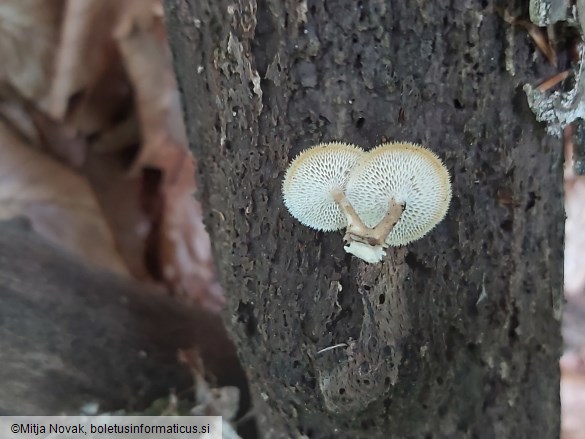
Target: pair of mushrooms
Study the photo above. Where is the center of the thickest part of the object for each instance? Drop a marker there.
(389, 196)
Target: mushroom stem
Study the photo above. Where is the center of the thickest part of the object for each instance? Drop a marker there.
(385, 226)
(354, 223)
(358, 231)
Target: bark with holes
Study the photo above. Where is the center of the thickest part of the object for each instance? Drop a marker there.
(456, 335)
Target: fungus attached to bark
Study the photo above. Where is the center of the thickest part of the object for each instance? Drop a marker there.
(391, 195)
(398, 174)
(314, 181)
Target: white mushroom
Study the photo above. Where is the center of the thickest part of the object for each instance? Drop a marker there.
(405, 174)
(313, 182)
(391, 195)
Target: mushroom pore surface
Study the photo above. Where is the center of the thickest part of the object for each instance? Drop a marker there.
(312, 178)
(409, 174)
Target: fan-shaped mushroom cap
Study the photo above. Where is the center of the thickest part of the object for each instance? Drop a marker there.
(409, 174)
(312, 178)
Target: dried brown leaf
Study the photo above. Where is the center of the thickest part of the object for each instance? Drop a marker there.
(59, 203)
(142, 43)
(185, 248)
(179, 242)
(85, 50)
(29, 33)
(119, 196)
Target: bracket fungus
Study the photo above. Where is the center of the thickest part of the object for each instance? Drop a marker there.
(314, 179)
(400, 192)
(389, 196)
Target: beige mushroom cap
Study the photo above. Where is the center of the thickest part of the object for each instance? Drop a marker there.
(310, 180)
(409, 174)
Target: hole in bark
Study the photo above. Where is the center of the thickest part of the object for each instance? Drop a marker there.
(366, 382)
(381, 299)
(387, 402)
(440, 381)
(414, 263)
(513, 324)
(443, 410)
(364, 368)
(246, 317)
(296, 364)
(446, 273)
(387, 381)
(360, 123)
(388, 351)
(366, 425)
(457, 104)
(342, 391)
(506, 226)
(531, 201)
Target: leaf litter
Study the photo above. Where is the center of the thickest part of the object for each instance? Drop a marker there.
(92, 143)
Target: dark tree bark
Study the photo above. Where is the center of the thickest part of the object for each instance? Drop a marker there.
(456, 335)
(71, 334)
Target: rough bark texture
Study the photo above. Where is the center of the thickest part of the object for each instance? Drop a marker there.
(456, 335)
(71, 334)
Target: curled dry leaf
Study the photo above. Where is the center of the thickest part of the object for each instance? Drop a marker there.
(85, 50)
(110, 109)
(58, 202)
(185, 248)
(120, 198)
(142, 43)
(29, 32)
(179, 238)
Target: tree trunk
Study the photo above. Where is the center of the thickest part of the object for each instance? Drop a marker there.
(455, 335)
